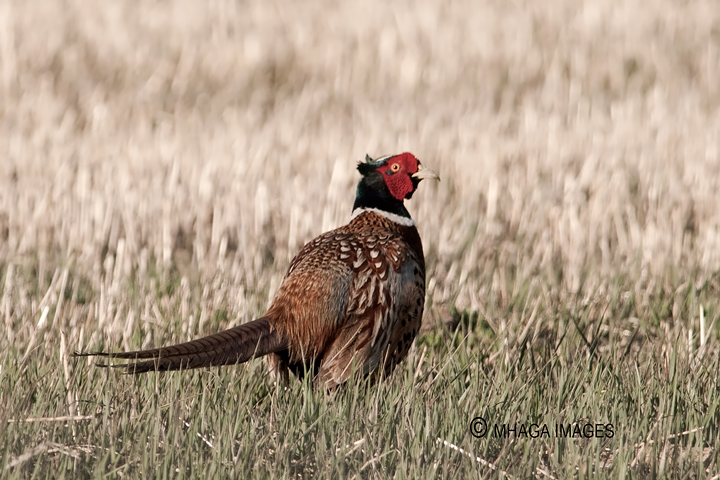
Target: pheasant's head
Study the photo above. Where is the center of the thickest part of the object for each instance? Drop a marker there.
(389, 180)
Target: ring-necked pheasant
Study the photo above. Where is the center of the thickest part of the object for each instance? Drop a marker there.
(352, 298)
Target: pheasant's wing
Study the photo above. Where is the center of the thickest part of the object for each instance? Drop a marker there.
(382, 305)
(310, 304)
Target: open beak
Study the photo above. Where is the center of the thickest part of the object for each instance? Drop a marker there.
(424, 173)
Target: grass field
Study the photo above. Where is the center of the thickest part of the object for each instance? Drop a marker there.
(161, 162)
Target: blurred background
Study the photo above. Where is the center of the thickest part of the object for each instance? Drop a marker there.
(161, 162)
(576, 140)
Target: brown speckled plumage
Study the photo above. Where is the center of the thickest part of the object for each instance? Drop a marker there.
(351, 300)
(342, 297)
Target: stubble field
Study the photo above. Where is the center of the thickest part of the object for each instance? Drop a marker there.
(161, 163)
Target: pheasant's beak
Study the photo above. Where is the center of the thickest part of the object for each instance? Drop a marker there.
(424, 173)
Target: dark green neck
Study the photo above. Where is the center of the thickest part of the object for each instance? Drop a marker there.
(373, 193)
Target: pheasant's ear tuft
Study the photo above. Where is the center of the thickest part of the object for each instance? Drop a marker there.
(368, 166)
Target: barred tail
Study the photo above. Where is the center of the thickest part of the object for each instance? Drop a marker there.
(236, 345)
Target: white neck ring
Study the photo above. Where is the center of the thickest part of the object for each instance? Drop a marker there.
(393, 217)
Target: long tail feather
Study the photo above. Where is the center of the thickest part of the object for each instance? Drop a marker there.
(236, 345)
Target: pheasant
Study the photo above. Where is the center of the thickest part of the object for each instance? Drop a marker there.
(351, 301)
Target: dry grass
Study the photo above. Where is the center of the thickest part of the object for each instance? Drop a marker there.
(162, 162)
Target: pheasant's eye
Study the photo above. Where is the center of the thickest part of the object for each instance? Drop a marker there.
(395, 167)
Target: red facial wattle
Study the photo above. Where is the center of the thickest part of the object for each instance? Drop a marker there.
(397, 171)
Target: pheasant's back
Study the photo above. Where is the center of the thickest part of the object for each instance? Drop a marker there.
(354, 294)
